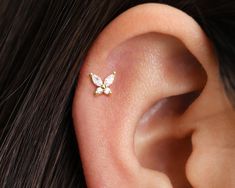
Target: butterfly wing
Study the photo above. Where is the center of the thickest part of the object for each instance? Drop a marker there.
(96, 80)
(109, 80)
(99, 91)
(107, 91)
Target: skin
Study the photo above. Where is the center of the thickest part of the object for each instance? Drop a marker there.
(168, 122)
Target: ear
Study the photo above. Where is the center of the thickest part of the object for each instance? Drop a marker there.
(166, 78)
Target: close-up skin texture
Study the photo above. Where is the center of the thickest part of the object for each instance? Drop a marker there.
(154, 62)
(164, 118)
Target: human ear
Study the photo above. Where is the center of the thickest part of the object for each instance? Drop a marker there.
(166, 81)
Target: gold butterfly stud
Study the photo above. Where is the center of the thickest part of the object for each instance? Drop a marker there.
(102, 86)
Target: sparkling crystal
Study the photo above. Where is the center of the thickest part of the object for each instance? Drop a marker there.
(107, 91)
(99, 90)
(96, 80)
(109, 80)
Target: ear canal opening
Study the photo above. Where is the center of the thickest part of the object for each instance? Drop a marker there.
(156, 145)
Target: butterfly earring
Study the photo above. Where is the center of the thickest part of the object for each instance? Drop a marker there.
(102, 86)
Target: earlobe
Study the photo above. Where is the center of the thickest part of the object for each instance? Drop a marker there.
(155, 57)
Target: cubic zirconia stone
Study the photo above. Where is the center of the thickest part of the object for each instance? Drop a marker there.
(96, 80)
(109, 80)
(99, 90)
(107, 91)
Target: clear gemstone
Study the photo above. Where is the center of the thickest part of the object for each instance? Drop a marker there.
(99, 90)
(96, 80)
(109, 80)
(107, 91)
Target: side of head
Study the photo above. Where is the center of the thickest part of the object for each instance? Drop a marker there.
(168, 104)
(169, 121)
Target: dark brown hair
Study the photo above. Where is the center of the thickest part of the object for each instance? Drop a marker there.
(42, 47)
